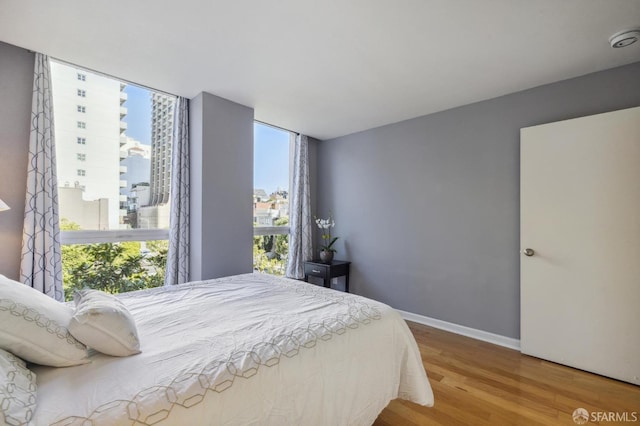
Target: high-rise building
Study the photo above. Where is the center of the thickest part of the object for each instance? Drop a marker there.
(155, 213)
(161, 140)
(135, 163)
(89, 130)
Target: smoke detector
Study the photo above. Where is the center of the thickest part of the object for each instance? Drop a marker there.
(624, 38)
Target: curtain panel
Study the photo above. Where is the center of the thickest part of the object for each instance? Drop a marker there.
(41, 262)
(300, 211)
(178, 258)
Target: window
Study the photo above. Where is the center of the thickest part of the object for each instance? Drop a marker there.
(271, 198)
(112, 206)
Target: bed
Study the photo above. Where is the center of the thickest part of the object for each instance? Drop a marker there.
(243, 350)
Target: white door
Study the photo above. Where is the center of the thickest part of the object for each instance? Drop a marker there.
(580, 221)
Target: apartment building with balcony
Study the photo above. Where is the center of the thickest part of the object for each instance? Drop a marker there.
(135, 163)
(90, 125)
(155, 214)
(161, 141)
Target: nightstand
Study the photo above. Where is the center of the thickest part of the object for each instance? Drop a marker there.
(327, 271)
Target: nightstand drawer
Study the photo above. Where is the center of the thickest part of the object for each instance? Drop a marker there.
(327, 271)
(315, 270)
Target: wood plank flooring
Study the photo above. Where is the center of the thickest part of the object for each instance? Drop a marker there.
(477, 383)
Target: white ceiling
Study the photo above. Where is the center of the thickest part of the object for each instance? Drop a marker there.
(330, 67)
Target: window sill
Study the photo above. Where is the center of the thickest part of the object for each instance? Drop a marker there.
(112, 236)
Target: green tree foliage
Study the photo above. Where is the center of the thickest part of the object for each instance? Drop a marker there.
(67, 225)
(158, 246)
(112, 267)
(282, 241)
(270, 251)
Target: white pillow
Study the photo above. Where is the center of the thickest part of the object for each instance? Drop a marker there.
(103, 323)
(17, 390)
(33, 326)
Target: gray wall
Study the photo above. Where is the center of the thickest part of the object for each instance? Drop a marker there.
(16, 81)
(221, 187)
(428, 209)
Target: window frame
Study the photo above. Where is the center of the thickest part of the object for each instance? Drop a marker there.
(259, 231)
(112, 236)
(70, 237)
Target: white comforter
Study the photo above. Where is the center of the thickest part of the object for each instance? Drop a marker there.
(245, 350)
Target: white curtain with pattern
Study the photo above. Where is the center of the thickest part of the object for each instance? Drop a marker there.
(300, 211)
(41, 262)
(177, 270)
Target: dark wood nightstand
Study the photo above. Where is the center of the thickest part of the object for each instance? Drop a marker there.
(327, 271)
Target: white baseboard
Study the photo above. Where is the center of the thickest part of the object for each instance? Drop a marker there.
(485, 336)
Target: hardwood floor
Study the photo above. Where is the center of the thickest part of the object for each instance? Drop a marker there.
(478, 383)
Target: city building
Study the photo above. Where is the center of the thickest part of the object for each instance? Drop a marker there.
(264, 213)
(269, 208)
(155, 213)
(260, 195)
(135, 163)
(89, 130)
(161, 138)
(87, 214)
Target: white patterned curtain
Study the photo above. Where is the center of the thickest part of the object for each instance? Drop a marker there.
(41, 263)
(177, 270)
(300, 212)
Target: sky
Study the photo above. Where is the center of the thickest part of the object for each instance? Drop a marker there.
(271, 145)
(138, 116)
(270, 158)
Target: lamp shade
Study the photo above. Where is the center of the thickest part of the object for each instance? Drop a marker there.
(3, 206)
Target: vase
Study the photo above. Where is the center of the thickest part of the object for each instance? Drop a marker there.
(326, 256)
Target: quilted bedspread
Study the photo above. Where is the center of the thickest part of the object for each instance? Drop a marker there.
(250, 349)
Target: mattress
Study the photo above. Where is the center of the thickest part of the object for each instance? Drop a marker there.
(244, 350)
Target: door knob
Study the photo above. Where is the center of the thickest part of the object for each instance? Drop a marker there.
(528, 252)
